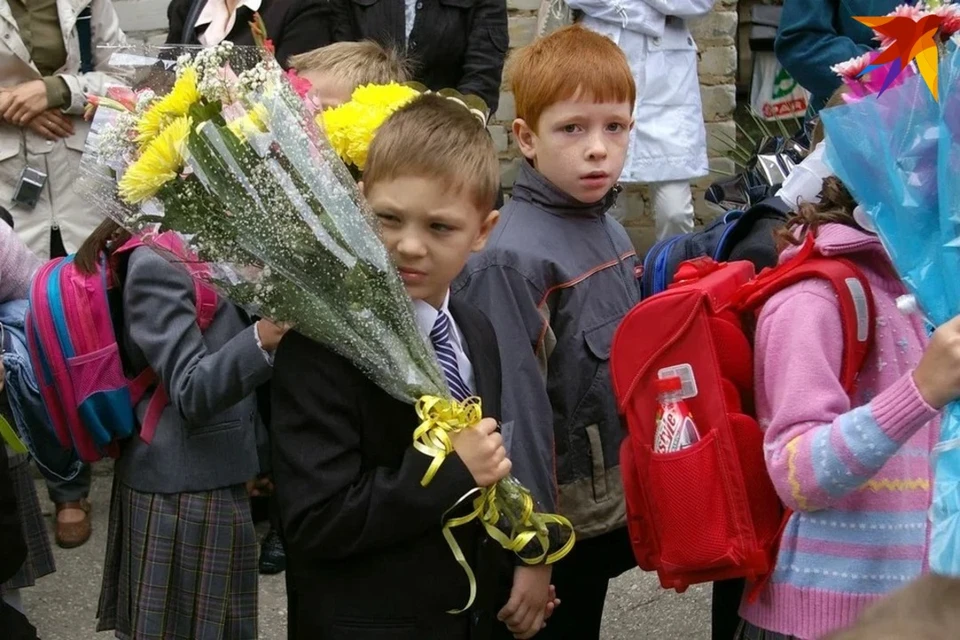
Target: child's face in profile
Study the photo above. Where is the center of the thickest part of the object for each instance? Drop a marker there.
(327, 91)
(579, 145)
(430, 231)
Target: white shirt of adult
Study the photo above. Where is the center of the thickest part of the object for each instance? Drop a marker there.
(427, 316)
(220, 19)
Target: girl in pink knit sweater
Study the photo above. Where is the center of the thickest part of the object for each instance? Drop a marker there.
(855, 469)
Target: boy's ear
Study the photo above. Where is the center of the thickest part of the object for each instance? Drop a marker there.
(526, 138)
(488, 224)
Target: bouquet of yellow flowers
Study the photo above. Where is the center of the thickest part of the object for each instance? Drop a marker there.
(216, 146)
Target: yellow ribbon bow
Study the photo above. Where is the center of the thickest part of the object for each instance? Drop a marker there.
(439, 418)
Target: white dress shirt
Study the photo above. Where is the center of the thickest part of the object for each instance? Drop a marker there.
(427, 317)
(219, 20)
(410, 14)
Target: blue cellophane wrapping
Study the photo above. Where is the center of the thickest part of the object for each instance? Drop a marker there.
(899, 155)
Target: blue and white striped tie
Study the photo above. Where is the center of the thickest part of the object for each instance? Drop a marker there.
(440, 337)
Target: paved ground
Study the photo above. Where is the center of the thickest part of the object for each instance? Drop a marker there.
(64, 604)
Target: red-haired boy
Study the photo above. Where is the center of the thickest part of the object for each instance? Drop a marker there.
(557, 276)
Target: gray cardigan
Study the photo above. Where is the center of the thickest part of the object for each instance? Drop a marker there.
(207, 436)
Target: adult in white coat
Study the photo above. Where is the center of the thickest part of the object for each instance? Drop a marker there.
(52, 55)
(41, 110)
(668, 145)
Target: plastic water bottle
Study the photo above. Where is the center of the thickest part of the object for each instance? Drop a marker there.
(675, 427)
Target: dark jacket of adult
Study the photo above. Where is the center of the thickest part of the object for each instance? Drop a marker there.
(295, 26)
(454, 44)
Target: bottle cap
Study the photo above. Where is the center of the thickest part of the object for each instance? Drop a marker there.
(669, 385)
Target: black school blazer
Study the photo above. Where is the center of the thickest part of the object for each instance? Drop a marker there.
(365, 549)
(295, 26)
(455, 44)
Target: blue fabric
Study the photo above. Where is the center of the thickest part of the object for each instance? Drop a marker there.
(29, 412)
(440, 337)
(814, 35)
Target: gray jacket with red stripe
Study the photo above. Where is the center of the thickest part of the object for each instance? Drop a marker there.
(556, 278)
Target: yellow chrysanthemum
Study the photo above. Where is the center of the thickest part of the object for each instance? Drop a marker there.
(184, 94)
(251, 123)
(351, 126)
(386, 96)
(161, 161)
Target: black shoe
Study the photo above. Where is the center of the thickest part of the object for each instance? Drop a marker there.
(273, 560)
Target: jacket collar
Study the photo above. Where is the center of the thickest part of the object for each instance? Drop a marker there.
(532, 187)
(864, 249)
(840, 240)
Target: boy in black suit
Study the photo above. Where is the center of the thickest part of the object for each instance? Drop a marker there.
(364, 538)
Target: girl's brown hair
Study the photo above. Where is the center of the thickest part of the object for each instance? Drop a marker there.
(835, 207)
(104, 238)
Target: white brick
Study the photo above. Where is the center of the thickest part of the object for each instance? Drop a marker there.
(718, 102)
(718, 61)
(507, 109)
(718, 27)
(523, 5)
(522, 30)
(508, 171)
(501, 140)
(718, 136)
(142, 15)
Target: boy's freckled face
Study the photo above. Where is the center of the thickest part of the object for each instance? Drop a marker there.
(429, 230)
(327, 91)
(580, 146)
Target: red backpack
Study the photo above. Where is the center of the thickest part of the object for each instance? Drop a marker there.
(709, 512)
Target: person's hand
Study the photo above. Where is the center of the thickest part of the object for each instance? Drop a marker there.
(938, 375)
(532, 601)
(271, 334)
(24, 102)
(52, 124)
(481, 450)
(260, 486)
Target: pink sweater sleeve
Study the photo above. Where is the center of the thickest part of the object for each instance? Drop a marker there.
(17, 265)
(818, 448)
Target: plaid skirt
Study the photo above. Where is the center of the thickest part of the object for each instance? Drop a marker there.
(39, 560)
(180, 566)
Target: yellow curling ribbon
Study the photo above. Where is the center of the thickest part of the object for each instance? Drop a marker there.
(10, 437)
(441, 417)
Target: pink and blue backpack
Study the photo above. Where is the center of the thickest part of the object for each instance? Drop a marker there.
(72, 340)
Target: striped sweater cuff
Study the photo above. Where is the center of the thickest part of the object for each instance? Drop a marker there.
(900, 409)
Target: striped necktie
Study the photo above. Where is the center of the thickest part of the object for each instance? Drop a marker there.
(440, 337)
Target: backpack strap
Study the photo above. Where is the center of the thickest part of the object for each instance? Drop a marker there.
(857, 314)
(853, 293)
(205, 302)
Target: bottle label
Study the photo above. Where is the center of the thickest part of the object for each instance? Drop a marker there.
(675, 428)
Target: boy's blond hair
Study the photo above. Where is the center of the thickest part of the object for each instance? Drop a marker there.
(927, 609)
(435, 137)
(356, 63)
(572, 61)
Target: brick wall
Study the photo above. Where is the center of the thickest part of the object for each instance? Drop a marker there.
(716, 36)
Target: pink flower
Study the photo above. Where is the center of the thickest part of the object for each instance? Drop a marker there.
(852, 68)
(123, 95)
(861, 86)
(301, 85)
(949, 19)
